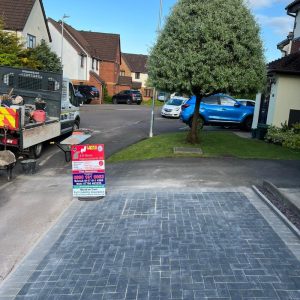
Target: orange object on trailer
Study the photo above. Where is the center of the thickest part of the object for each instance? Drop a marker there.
(9, 118)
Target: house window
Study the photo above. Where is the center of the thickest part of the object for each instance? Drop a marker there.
(82, 61)
(148, 93)
(137, 75)
(31, 41)
(93, 63)
(122, 73)
(97, 65)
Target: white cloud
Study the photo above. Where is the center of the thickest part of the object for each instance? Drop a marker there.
(264, 3)
(280, 25)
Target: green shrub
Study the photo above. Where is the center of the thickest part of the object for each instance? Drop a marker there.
(296, 127)
(292, 142)
(107, 99)
(285, 136)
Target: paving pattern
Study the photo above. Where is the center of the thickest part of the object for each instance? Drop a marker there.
(148, 245)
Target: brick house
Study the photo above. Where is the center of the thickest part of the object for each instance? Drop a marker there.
(107, 48)
(92, 58)
(27, 19)
(292, 43)
(135, 66)
(80, 64)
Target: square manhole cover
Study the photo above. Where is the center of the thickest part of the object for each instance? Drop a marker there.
(184, 150)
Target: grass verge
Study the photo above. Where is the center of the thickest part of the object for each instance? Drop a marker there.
(213, 144)
(149, 103)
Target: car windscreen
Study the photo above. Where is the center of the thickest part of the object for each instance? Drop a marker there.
(136, 92)
(175, 102)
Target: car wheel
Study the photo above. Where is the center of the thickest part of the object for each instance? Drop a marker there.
(200, 122)
(128, 101)
(114, 101)
(139, 103)
(247, 125)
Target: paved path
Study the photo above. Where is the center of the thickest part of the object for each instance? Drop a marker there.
(163, 244)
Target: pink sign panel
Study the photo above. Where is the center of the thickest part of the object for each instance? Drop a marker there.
(88, 170)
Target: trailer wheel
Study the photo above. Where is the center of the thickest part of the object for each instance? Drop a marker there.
(76, 125)
(36, 150)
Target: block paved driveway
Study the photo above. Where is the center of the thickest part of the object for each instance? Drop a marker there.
(160, 245)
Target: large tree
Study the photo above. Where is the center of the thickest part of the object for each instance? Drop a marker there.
(44, 58)
(14, 54)
(11, 48)
(207, 47)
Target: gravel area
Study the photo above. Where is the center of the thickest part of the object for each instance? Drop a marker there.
(293, 218)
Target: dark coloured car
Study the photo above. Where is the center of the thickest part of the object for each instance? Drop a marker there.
(128, 96)
(88, 91)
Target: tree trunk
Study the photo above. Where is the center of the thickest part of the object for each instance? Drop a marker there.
(193, 135)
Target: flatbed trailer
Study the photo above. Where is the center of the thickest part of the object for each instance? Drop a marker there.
(19, 131)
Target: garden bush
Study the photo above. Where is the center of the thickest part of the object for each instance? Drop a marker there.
(285, 136)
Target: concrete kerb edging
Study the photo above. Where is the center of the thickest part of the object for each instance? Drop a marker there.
(291, 226)
(270, 187)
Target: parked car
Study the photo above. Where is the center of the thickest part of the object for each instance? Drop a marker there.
(172, 107)
(95, 91)
(128, 96)
(179, 96)
(163, 96)
(246, 102)
(219, 109)
(87, 91)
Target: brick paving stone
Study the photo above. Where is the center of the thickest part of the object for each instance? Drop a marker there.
(167, 245)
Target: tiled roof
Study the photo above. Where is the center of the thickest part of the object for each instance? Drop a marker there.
(293, 7)
(289, 64)
(136, 62)
(68, 37)
(15, 14)
(125, 80)
(97, 77)
(104, 45)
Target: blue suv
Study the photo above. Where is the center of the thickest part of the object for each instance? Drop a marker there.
(219, 109)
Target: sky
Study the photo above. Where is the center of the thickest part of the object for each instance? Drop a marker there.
(136, 20)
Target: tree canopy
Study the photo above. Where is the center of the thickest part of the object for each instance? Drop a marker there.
(45, 59)
(208, 47)
(14, 54)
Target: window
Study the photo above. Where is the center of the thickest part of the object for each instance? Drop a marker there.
(137, 75)
(226, 101)
(212, 100)
(97, 65)
(148, 92)
(31, 41)
(93, 63)
(82, 61)
(122, 73)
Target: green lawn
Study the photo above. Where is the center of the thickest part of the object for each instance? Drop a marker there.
(213, 144)
(149, 103)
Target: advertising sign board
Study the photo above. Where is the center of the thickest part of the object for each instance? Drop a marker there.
(88, 170)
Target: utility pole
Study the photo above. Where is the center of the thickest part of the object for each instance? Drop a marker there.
(62, 38)
(155, 92)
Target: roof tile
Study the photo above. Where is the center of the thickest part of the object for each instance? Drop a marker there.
(136, 62)
(289, 64)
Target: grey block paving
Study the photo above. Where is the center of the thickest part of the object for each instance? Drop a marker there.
(163, 245)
